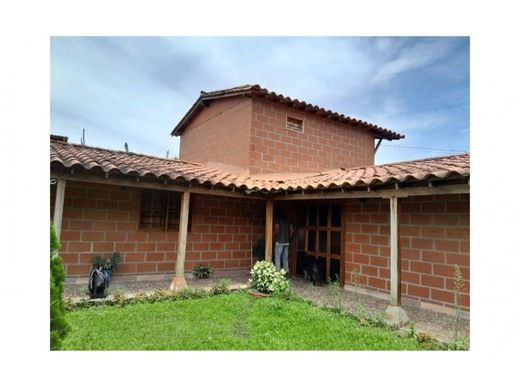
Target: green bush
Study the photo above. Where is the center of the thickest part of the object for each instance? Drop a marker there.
(59, 326)
(202, 272)
(266, 279)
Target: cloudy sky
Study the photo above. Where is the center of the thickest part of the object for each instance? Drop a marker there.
(135, 90)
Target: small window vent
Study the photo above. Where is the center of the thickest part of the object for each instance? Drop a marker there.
(294, 124)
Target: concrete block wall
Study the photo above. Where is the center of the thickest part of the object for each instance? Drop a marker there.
(99, 219)
(434, 237)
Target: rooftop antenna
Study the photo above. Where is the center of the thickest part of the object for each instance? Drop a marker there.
(126, 147)
(83, 137)
(167, 153)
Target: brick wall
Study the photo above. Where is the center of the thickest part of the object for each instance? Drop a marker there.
(99, 219)
(250, 134)
(324, 144)
(434, 237)
(220, 132)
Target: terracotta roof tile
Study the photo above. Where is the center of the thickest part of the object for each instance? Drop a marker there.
(106, 160)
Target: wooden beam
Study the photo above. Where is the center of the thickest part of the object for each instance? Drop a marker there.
(394, 313)
(179, 282)
(399, 193)
(133, 182)
(58, 206)
(395, 253)
(269, 230)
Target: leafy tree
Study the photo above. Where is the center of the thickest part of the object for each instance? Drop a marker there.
(59, 325)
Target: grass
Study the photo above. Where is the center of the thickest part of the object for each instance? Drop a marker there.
(226, 322)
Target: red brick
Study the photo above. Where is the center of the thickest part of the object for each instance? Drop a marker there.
(457, 233)
(145, 246)
(428, 207)
(69, 257)
(115, 236)
(126, 226)
(124, 246)
(445, 219)
(360, 258)
(370, 249)
(441, 295)
(379, 261)
(433, 232)
(410, 277)
(73, 269)
(368, 270)
(418, 291)
(92, 236)
(81, 225)
(462, 259)
(419, 266)
(421, 243)
(70, 235)
(379, 240)
(376, 283)
(158, 256)
(458, 207)
(103, 246)
(168, 246)
(104, 226)
(412, 254)
(447, 245)
(432, 281)
(166, 267)
(433, 257)
(126, 268)
(75, 246)
(146, 267)
(420, 219)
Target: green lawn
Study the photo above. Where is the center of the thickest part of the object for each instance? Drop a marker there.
(225, 322)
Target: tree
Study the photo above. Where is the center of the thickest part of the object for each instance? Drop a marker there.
(59, 325)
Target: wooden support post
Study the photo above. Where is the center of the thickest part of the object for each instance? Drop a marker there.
(58, 206)
(269, 230)
(394, 313)
(179, 282)
(395, 254)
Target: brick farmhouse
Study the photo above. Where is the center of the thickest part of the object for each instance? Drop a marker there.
(398, 228)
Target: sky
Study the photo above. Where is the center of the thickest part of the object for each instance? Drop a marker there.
(136, 89)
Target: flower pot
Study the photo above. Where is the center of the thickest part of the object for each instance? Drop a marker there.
(258, 294)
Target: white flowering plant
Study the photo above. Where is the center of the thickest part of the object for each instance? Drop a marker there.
(266, 279)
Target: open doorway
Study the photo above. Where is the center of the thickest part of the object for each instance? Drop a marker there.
(320, 236)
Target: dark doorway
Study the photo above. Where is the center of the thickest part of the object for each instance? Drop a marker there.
(319, 234)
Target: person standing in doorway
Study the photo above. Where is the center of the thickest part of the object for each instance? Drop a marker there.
(282, 234)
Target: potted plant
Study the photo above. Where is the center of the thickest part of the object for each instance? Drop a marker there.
(265, 280)
(108, 265)
(202, 272)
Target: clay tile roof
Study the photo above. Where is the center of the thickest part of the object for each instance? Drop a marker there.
(111, 161)
(133, 164)
(256, 90)
(453, 166)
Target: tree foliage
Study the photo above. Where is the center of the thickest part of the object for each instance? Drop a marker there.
(59, 325)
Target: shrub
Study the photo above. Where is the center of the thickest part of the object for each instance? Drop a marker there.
(202, 272)
(222, 287)
(109, 263)
(266, 279)
(59, 326)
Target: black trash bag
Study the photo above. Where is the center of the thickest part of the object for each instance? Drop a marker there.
(313, 269)
(98, 281)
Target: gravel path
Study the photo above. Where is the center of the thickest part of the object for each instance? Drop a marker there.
(437, 325)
